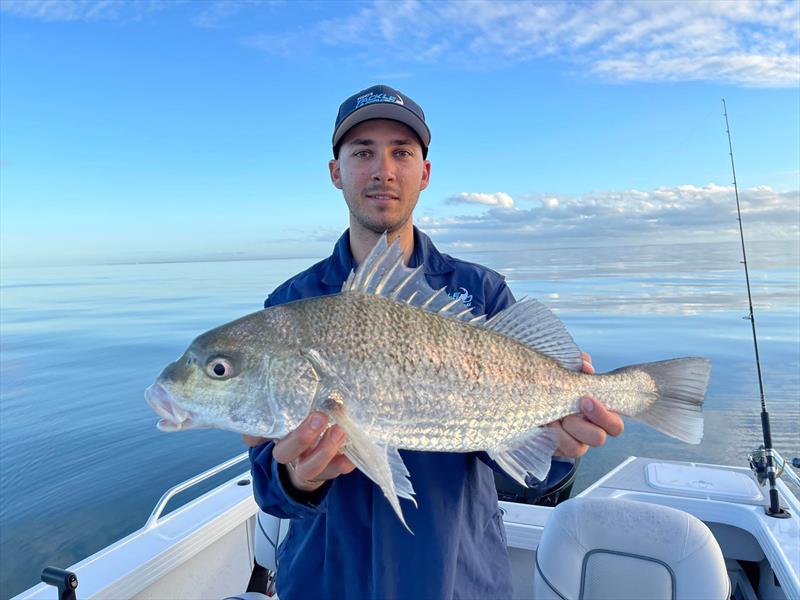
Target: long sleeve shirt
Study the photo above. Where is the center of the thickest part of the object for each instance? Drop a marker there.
(345, 541)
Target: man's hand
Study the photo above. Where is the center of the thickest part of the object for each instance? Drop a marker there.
(589, 428)
(311, 457)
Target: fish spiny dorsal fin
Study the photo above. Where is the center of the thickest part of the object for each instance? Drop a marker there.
(533, 324)
(529, 322)
(383, 273)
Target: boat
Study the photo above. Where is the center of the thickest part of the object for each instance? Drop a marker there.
(207, 547)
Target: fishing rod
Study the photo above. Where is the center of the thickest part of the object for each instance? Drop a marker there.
(769, 454)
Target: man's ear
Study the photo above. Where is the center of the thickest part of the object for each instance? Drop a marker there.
(336, 174)
(426, 175)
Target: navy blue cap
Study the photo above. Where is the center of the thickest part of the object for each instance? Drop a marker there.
(380, 102)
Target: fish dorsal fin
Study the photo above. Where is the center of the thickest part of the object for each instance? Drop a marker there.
(529, 322)
(533, 324)
(383, 274)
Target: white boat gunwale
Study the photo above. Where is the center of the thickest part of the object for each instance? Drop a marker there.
(128, 567)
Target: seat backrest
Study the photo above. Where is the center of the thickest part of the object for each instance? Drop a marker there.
(609, 548)
(269, 532)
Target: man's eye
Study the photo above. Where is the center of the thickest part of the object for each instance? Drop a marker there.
(361, 154)
(403, 153)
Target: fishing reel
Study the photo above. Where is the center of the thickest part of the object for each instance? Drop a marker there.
(758, 464)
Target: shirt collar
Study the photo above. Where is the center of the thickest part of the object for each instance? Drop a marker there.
(341, 262)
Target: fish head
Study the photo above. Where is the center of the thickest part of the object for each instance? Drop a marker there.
(226, 380)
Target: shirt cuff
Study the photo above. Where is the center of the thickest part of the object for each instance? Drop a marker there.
(301, 504)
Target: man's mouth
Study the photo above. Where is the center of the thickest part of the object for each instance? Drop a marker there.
(383, 196)
(173, 417)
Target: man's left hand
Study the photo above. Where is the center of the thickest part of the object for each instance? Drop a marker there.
(590, 427)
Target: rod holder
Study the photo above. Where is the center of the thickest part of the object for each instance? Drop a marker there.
(65, 581)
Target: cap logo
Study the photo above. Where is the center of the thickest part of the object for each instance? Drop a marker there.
(373, 98)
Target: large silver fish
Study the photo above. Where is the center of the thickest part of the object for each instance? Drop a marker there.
(398, 365)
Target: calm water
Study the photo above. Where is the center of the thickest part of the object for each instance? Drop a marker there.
(82, 464)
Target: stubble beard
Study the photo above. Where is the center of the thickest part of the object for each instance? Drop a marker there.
(380, 225)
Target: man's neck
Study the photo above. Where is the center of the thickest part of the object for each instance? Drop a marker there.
(362, 240)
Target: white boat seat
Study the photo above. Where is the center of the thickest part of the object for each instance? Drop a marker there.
(609, 548)
(269, 532)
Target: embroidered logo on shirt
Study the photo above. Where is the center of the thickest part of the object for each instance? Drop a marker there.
(463, 295)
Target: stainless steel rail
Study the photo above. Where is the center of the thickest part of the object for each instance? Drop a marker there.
(152, 521)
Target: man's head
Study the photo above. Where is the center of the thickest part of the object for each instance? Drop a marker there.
(380, 102)
(380, 165)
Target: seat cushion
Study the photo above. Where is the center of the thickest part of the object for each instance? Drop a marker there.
(614, 548)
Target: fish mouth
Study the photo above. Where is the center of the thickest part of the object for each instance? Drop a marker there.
(173, 417)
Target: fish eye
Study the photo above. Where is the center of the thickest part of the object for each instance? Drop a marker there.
(219, 367)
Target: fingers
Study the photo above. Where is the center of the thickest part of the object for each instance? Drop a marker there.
(608, 421)
(311, 458)
(311, 464)
(301, 439)
(340, 465)
(587, 364)
(590, 428)
(568, 446)
(583, 431)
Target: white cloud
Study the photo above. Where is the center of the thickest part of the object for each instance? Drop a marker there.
(219, 13)
(685, 213)
(745, 42)
(499, 199)
(83, 10)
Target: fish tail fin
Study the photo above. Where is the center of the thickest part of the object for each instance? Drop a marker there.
(680, 391)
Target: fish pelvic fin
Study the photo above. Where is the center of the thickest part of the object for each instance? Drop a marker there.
(680, 392)
(377, 460)
(527, 455)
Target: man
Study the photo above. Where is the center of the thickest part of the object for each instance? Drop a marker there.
(345, 540)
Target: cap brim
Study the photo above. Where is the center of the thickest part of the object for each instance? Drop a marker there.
(384, 110)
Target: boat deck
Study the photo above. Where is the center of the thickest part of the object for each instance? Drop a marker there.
(205, 548)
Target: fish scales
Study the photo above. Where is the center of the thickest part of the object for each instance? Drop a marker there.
(425, 382)
(397, 365)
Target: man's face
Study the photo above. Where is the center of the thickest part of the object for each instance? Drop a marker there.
(381, 172)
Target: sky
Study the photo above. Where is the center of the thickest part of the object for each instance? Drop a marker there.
(160, 130)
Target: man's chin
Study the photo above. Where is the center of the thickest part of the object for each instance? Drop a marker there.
(387, 225)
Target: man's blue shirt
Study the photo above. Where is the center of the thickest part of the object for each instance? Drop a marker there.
(345, 541)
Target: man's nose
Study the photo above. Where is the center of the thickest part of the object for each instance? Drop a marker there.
(384, 169)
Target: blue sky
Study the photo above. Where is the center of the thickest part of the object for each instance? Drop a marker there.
(162, 129)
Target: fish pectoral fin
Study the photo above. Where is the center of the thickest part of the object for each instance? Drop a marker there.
(527, 455)
(378, 461)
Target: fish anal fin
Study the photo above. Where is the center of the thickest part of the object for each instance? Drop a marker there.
(527, 455)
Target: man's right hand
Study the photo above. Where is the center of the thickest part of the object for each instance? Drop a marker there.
(311, 458)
